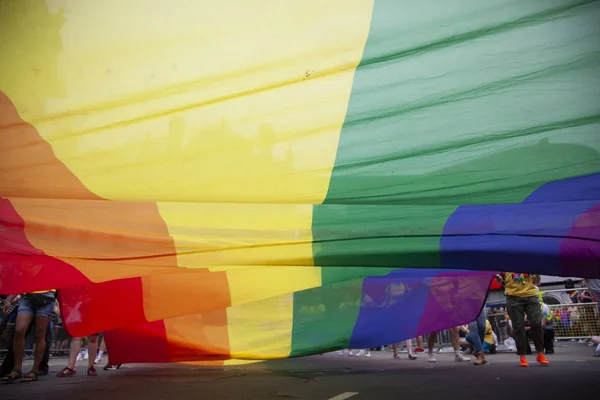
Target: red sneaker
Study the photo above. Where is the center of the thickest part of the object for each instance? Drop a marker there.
(524, 362)
(92, 371)
(419, 350)
(541, 358)
(66, 372)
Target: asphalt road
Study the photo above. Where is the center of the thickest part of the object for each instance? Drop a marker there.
(573, 373)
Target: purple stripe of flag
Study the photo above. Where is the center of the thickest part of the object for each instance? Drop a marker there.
(412, 302)
(581, 257)
(527, 237)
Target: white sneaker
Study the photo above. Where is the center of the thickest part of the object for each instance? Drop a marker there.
(461, 358)
(431, 358)
(98, 359)
(350, 353)
(361, 352)
(80, 356)
(341, 352)
(597, 353)
(368, 354)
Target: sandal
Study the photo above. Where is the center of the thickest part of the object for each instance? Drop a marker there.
(91, 371)
(30, 377)
(12, 377)
(66, 372)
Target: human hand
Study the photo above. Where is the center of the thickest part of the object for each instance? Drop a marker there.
(6, 306)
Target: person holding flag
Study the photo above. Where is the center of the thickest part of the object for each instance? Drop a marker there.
(521, 298)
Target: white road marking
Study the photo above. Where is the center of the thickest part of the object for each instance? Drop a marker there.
(344, 396)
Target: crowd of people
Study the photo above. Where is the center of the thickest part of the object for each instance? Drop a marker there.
(36, 313)
(528, 319)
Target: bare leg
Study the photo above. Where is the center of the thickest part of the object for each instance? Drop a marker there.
(431, 342)
(101, 351)
(92, 350)
(41, 324)
(420, 342)
(454, 337)
(408, 344)
(21, 325)
(73, 352)
(456, 345)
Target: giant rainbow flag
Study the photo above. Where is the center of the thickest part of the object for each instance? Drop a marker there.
(216, 180)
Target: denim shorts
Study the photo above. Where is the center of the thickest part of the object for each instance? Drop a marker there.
(25, 307)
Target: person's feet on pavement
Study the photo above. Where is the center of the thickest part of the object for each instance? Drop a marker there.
(74, 355)
(364, 352)
(541, 358)
(458, 357)
(31, 376)
(13, 376)
(480, 360)
(66, 371)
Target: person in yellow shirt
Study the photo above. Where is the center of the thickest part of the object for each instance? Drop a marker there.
(488, 341)
(521, 298)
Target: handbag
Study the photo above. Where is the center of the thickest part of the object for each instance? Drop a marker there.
(39, 300)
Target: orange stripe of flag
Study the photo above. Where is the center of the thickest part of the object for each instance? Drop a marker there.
(102, 240)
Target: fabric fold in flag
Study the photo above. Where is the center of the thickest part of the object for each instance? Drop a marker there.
(356, 313)
(91, 308)
(241, 180)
